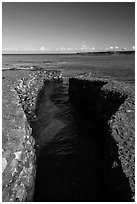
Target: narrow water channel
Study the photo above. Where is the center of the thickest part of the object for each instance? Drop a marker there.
(69, 160)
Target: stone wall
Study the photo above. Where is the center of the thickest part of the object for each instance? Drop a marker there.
(18, 156)
(109, 105)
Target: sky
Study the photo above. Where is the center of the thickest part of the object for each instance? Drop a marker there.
(59, 27)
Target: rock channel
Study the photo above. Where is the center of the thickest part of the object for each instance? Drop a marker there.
(105, 106)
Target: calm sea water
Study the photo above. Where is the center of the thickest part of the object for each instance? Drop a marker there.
(120, 67)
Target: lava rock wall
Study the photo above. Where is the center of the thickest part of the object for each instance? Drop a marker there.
(109, 105)
(18, 156)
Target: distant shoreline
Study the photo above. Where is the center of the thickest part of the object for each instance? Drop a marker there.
(79, 53)
(107, 53)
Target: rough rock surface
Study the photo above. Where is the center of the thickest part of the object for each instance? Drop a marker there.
(29, 88)
(113, 103)
(19, 103)
(122, 125)
(18, 155)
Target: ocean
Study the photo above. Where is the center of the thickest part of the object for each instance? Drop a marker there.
(118, 67)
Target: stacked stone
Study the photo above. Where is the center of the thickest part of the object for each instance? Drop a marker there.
(27, 91)
(18, 156)
(53, 75)
(28, 88)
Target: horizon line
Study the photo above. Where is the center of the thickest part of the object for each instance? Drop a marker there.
(86, 52)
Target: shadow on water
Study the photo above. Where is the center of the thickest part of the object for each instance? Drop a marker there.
(70, 160)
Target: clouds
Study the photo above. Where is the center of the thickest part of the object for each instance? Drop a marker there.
(29, 49)
(18, 50)
(10, 49)
(111, 47)
(84, 47)
(42, 48)
(66, 49)
(26, 50)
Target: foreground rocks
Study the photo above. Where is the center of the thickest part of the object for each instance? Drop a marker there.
(18, 156)
(111, 107)
(29, 88)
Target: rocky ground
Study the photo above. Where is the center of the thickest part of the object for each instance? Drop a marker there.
(20, 94)
(18, 154)
(20, 91)
(115, 103)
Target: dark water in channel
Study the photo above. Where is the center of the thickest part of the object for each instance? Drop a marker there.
(69, 161)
